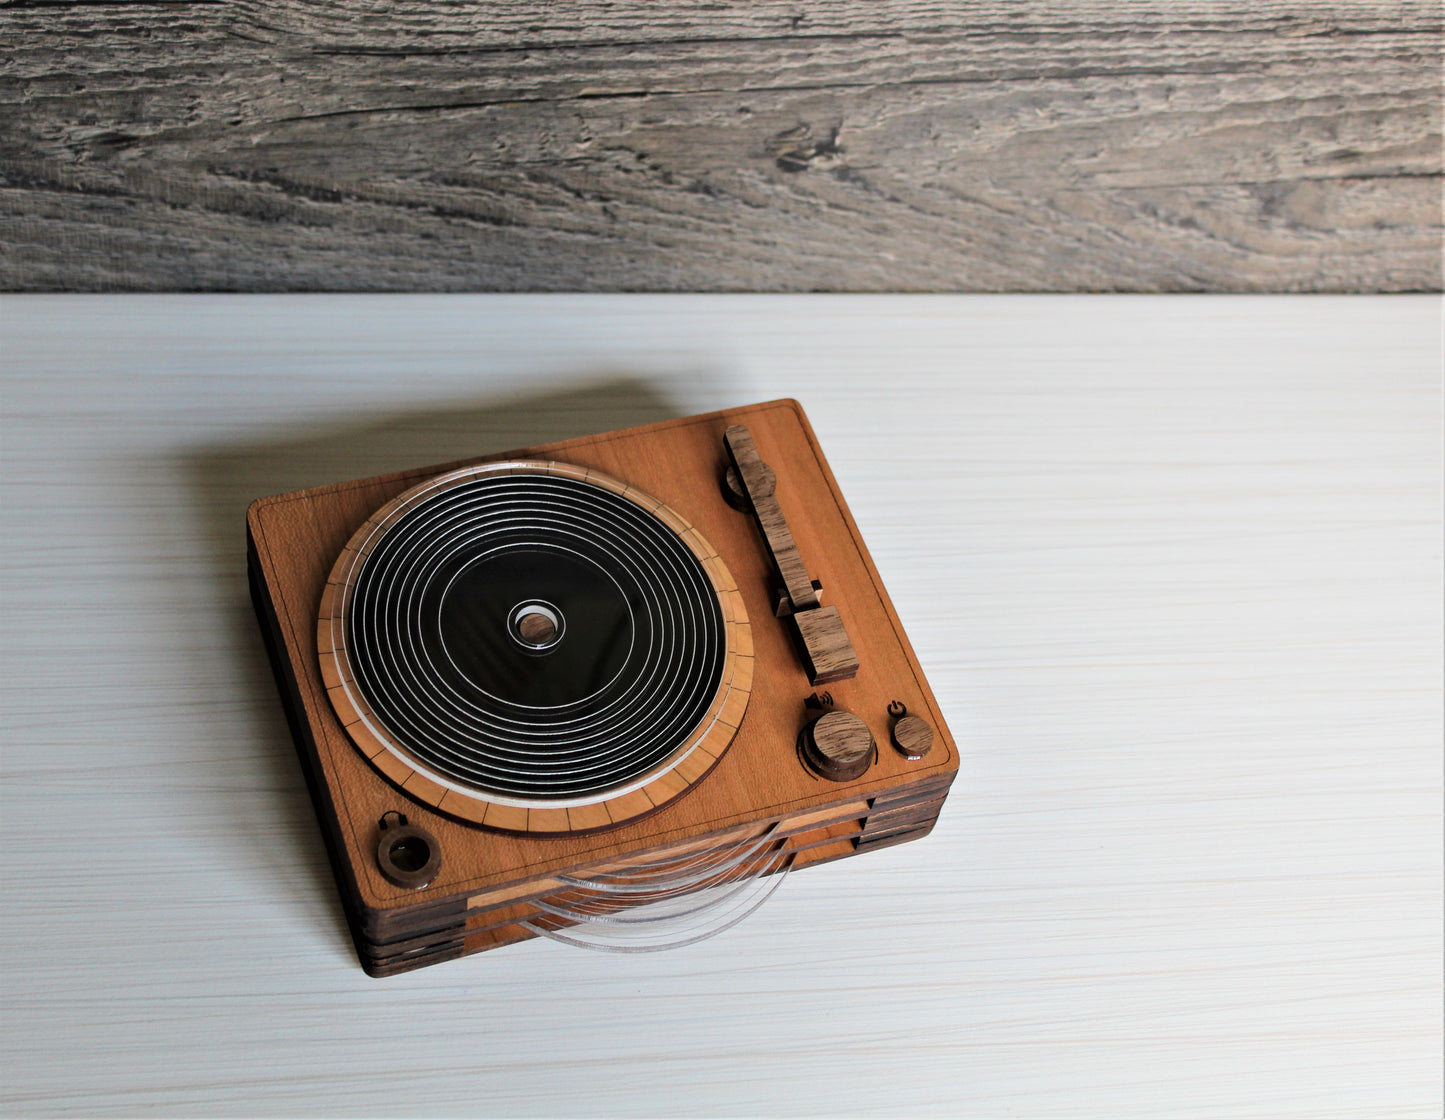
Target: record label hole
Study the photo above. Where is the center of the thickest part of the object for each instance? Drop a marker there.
(409, 853)
(536, 626)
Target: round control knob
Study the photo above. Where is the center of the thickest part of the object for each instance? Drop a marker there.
(912, 737)
(838, 746)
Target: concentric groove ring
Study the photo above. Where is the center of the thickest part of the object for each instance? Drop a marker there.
(635, 691)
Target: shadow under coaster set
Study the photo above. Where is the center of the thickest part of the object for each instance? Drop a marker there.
(608, 690)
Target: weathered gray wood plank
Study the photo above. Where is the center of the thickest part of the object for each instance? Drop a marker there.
(974, 145)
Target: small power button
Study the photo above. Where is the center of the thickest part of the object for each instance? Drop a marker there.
(912, 737)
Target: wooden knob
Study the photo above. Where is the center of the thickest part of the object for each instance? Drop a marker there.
(912, 737)
(838, 746)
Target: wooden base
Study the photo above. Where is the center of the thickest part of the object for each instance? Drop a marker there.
(488, 881)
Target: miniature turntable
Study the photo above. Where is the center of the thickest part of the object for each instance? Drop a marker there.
(608, 690)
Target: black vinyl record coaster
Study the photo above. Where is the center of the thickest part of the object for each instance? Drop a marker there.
(532, 637)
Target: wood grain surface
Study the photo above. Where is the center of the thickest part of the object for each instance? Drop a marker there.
(1172, 566)
(972, 145)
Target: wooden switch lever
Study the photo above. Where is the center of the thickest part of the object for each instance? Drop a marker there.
(759, 482)
(818, 630)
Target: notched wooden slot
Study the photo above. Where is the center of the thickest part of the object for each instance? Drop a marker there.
(818, 631)
(783, 606)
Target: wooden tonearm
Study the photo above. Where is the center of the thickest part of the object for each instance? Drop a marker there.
(818, 630)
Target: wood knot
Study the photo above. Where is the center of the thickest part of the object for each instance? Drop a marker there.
(798, 150)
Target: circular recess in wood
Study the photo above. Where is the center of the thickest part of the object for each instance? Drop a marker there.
(408, 855)
(735, 493)
(838, 746)
(536, 647)
(537, 627)
(912, 737)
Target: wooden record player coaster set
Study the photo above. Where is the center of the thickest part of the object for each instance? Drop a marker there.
(518, 681)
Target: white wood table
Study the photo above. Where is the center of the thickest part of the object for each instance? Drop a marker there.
(1172, 564)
